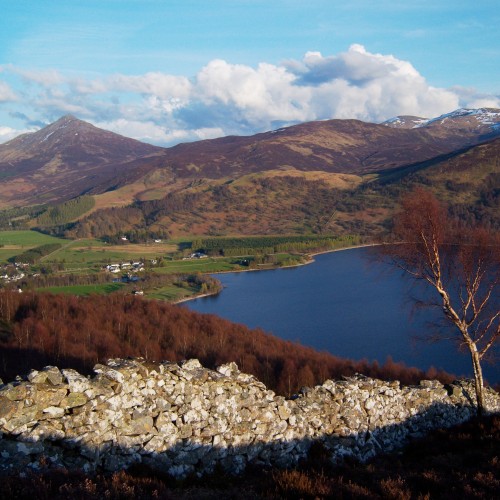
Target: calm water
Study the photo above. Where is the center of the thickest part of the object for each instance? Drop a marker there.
(344, 303)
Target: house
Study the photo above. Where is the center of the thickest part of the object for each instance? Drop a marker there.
(113, 268)
(198, 255)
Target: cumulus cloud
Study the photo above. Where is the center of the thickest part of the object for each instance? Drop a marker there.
(366, 86)
(224, 98)
(42, 77)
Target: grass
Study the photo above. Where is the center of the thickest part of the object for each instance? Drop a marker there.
(171, 293)
(209, 265)
(84, 256)
(84, 290)
(88, 254)
(26, 238)
(7, 253)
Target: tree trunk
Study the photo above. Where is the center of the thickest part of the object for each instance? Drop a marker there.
(478, 379)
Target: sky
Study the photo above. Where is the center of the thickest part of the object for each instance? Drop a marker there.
(166, 71)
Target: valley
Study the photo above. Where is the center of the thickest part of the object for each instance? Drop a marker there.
(103, 199)
(101, 236)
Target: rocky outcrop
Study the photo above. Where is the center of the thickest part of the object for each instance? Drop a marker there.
(187, 419)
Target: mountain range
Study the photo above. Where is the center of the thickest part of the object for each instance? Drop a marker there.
(457, 154)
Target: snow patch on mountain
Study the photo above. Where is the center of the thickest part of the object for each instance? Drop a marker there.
(481, 116)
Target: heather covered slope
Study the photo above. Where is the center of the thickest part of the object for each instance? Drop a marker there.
(295, 202)
(332, 176)
(71, 157)
(65, 159)
(37, 330)
(341, 146)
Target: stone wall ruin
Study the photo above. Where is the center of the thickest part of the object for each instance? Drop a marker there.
(186, 419)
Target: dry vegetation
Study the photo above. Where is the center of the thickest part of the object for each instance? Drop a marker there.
(289, 200)
(37, 330)
(462, 462)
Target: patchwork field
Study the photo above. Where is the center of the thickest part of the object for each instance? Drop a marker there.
(79, 254)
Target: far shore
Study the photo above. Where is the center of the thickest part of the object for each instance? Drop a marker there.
(310, 260)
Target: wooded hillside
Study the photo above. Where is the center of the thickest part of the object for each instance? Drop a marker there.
(44, 329)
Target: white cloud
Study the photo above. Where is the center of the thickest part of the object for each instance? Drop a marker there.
(8, 133)
(157, 84)
(485, 102)
(6, 93)
(224, 98)
(49, 77)
(371, 87)
(156, 134)
(469, 98)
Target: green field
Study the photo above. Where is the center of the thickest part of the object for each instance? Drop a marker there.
(100, 289)
(89, 254)
(6, 254)
(171, 293)
(27, 238)
(210, 265)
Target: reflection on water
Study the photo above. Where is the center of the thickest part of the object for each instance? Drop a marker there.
(344, 303)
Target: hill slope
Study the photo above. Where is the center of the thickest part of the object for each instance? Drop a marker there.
(294, 202)
(330, 176)
(71, 157)
(341, 146)
(65, 159)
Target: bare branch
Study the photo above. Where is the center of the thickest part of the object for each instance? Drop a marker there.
(462, 265)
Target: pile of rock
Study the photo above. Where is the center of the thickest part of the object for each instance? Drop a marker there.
(187, 419)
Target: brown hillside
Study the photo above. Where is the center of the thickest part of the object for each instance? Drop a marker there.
(342, 146)
(71, 157)
(65, 159)
(291, 201)
(37, 330)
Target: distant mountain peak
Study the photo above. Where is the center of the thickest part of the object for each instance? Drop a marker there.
(486, 116)
(69, 132)
(70, 156)
(405, 121)
(67, 158)
(67, 118)
(471, 118)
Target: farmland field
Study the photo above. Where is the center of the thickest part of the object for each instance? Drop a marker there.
(90, 253)
(171, 293)
(103, 288)
(210, 265)
(7, 253)
(26, 239)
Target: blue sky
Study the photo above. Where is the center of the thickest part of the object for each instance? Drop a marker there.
(174, 71)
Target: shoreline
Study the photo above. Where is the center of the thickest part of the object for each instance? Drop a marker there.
(310, 260)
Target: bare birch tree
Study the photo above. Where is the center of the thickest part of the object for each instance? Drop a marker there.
(461, 265)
